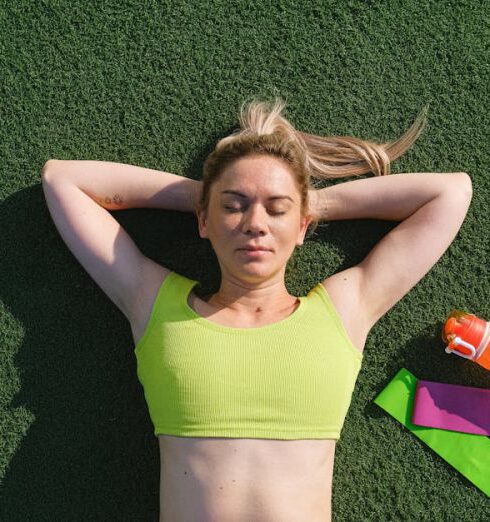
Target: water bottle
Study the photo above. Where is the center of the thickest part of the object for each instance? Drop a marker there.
(467, 336)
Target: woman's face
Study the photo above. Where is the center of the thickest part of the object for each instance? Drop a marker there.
(255, 202)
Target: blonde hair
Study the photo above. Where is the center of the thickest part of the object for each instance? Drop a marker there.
(264, 130)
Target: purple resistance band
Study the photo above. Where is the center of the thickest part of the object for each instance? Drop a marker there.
(452, 407)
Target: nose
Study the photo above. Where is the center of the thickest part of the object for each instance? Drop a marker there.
(254, 221)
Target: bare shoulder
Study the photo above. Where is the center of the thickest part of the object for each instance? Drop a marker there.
(344, 290)
(151, 279)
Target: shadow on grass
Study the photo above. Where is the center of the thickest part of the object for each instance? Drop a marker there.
(77, 441)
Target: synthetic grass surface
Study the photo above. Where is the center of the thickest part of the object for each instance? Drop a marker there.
(156, 84)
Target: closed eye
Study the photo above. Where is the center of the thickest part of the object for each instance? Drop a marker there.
(234, 209)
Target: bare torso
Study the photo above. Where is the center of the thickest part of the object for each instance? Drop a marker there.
(242, 480)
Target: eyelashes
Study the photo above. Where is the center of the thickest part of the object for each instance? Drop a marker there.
(234, 210)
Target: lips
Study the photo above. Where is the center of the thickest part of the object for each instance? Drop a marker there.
(255, 249)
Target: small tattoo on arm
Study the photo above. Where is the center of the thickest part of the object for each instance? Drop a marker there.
(107, 201)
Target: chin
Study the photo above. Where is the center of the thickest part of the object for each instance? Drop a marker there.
(258, 270)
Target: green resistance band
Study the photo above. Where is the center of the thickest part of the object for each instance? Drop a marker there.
(466, 452)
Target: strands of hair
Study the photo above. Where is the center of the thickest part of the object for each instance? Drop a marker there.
(265, 130)
(327, 156)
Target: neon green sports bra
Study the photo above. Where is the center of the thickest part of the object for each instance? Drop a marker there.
(292, 379)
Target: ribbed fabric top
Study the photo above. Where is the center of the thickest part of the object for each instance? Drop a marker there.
(292, 379)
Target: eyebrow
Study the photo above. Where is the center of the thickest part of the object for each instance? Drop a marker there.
(236, 193)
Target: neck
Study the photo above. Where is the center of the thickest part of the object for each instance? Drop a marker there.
(269, 299)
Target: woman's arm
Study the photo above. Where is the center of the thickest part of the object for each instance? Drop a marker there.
(117, 186)
(393, 198)
(79, 195)
(431, 208)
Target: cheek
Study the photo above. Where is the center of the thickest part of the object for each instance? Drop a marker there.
(288, 227)
(224, 226)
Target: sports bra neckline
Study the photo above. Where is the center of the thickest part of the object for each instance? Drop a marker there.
(222, 328)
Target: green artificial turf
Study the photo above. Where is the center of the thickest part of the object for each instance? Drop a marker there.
(156, 84)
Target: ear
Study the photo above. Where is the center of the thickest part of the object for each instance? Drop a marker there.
(202, 223)
(305, 222)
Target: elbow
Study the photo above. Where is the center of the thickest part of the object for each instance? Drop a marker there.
(465, 185)
(47, 169)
